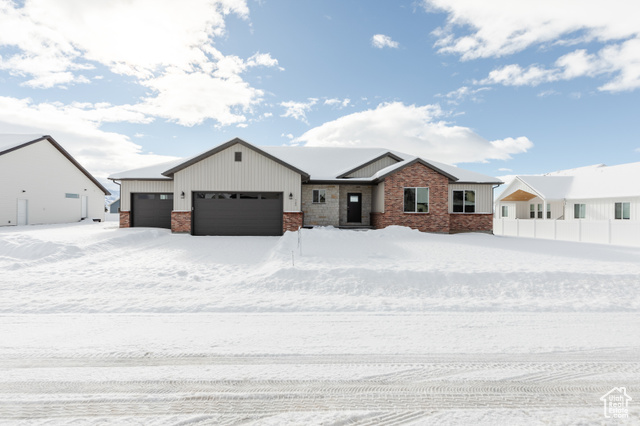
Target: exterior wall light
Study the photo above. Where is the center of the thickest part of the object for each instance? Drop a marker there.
(182, 195)
(291, 195)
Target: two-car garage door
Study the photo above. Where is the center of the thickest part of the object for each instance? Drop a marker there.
(214, 213)
(247, 213)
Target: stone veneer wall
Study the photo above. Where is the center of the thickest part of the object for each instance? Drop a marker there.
(460, 222)
(125, 221)
(181, 222)
(416, 175)
(321, 214)
(365, 190)
(292, 221)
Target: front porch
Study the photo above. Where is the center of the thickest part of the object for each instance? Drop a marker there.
(525, 205)
(340, 206)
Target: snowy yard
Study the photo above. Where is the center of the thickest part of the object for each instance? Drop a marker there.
(100, 325)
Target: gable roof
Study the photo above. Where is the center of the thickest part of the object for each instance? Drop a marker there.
(598, 181)
(236, 141)
(13, 142)
(316, 164)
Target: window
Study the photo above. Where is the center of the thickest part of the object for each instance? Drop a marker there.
(71, 195)
(319, 196)
(505, 211)
(238, 156)
(416, 200)
(532, 211)
(548, 211)
(579, 211)
(166, 196)
(539, 211)
(623, 210)
(464, 201)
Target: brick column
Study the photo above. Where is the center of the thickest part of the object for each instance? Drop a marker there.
(181, 222)
(291, 221)
(125, 219)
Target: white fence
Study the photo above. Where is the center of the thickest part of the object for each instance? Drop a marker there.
(618, 232)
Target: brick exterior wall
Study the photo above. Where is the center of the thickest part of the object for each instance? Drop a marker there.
(415, 175)
(125, 219)
(181, 222)
(291, 221)
(471, 223)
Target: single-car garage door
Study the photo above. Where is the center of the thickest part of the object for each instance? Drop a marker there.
(246, 213)
(152, 210)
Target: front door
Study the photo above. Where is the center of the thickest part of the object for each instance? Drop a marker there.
(23, 216)
(85, 207)
(354, 207)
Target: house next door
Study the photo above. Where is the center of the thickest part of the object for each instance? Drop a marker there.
(354, 207)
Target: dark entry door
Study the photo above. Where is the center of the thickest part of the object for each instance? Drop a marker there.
(217, 213)
(152, 210)
(354, 207)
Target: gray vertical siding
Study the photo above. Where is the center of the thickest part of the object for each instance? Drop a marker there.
(220, 172)
(484, 196)
(373, 168)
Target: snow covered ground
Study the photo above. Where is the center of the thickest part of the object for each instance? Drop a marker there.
(100, 325)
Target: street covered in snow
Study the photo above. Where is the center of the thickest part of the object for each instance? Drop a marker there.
(100, 325)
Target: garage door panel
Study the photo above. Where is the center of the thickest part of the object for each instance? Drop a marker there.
(233, 214)
(152, 210)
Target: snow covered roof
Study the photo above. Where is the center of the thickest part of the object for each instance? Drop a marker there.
(597, 181)
(149, 172)
(12, 142)
(8, 142)
(319, 163)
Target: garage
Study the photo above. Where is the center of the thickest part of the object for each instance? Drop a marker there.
(246, 213)
(151, 210)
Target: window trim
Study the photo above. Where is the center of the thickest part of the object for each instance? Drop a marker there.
(318, 192)
(548, 211)
(615, 210)
(505, 208)
(579, 212)
(464, 201)
(532, 211)
(238, 156)
(415, 206)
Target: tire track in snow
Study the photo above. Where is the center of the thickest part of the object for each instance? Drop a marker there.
(421, 386)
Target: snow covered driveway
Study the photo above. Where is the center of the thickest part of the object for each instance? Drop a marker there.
(100, 325)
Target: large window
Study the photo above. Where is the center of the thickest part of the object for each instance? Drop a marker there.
(623, 210)
(464, 201)
(319, 196)
(416, 200)
(579, 211)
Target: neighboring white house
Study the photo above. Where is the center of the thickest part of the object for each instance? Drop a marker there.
(41, 183)
(589, 203)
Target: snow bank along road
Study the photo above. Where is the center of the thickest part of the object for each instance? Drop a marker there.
(106, 326)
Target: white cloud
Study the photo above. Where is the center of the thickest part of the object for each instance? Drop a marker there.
(298, 110)
(457, 96)
(381, 41)
(337, 102)
(503, 169)
(165, 45)
(77, 128)
(474, 30)
(416, 130)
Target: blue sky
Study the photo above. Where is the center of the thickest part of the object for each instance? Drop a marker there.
(499, 87)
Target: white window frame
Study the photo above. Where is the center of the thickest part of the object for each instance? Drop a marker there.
(415, 201)
(581, 213)
(319, 196)
(505, 209)
(622, 216)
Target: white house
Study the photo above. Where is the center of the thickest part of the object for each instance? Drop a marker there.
(41, 183)
(596, 203)
(593, 193)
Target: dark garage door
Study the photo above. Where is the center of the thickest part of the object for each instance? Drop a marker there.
(152, 210)
(249, 213)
